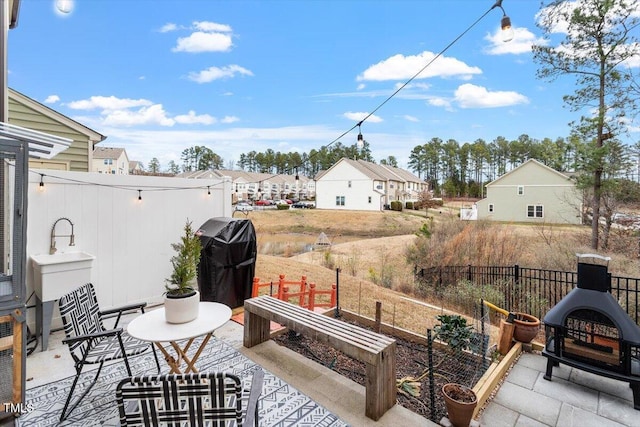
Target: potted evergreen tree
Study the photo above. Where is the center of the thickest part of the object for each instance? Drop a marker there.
(182, 298)
(460, 400)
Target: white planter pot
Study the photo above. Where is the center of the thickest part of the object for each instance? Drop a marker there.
(181, 309)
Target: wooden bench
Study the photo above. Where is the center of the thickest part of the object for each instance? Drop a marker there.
(377, 351)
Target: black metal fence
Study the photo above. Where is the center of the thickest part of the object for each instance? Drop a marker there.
(516, 288)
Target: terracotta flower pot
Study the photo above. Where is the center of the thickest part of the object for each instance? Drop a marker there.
(527, 327)
(460, 401)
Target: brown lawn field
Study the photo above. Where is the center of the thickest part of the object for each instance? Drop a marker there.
(369, 248)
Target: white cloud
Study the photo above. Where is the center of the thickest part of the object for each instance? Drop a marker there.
(215, 73)
(108, 103)
(361, 86)
(400, 67)
(211, 27)
(522, 41)
(230, 119)
(357, 117)
(472, 96)
(166, 28)
(440, 102)
(193, 118)
(411, 118)
(203, 42)
(153, 115)
(52, 99)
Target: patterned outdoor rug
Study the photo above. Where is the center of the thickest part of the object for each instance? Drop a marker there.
(279, 405)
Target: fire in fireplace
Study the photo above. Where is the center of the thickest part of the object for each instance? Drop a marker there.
(590, 331)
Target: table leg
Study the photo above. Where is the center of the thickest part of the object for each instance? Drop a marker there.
(171, 361)
(175, 362)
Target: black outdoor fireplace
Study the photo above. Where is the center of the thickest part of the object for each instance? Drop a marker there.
(590, 331)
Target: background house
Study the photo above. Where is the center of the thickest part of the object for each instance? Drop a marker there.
(260, 186)
(360, 185)
(532, 192)
(135, 167)
(109, 160)
(30, 114)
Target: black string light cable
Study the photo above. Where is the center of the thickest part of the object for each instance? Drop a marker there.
(135, 188)
(505, 24)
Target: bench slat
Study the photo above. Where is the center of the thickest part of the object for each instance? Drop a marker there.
(293, 312)
(377, 342)
(352, 340)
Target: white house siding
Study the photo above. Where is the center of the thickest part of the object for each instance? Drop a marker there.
(541, 186)
(131, 239)
(335, 183)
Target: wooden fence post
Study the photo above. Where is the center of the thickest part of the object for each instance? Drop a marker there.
(312, 296)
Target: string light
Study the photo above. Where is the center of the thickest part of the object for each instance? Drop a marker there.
(209, 190)
(360, 141)
(41, 185)
(505, 23)
(139, 195)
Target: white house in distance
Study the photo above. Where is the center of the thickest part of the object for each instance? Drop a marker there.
(532, 192)
(113, 161)
(257, 186)
(361, 185)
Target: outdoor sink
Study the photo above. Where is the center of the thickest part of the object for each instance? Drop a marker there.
(60, 273)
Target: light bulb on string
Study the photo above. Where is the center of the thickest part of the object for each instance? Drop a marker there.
(41, 185)
(64, 7)
(360, 140)
(209, 190)
(139, 195)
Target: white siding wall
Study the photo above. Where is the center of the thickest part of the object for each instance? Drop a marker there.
(335, 183)
(131, 239)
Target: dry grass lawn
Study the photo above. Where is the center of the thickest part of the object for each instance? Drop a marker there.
(375, 250)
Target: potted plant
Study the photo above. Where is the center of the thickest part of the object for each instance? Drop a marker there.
(182, 299)
(459, 400)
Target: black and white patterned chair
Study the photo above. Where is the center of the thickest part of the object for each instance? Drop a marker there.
(212, 399)
(90, 342)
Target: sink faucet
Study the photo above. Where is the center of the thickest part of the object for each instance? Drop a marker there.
(52, 248)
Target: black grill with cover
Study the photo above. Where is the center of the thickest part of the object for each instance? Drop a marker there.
(227, 261)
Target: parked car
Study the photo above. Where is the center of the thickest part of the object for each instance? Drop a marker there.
(280, 202)
(244, 207)
(263, 202)
(303, 205)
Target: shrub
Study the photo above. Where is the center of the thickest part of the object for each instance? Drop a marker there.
(454, 331)
(282, 206)
(396, 205)
(409, 205)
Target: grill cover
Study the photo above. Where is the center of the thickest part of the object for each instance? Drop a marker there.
(227, 261)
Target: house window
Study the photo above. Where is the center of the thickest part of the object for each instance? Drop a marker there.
(369, 199)
(339, 200)
(535, 211)
(490, 207)
(379, 187)
(520, 190)
(108, 161)
(349, 184)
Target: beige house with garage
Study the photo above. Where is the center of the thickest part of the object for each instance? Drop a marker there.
(532, 192)
(30, 114)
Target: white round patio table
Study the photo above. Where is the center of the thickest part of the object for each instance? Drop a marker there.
(152, 326)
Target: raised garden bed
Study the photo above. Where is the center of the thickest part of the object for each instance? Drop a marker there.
(412, 365)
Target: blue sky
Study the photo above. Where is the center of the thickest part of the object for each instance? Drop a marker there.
(159, 76)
